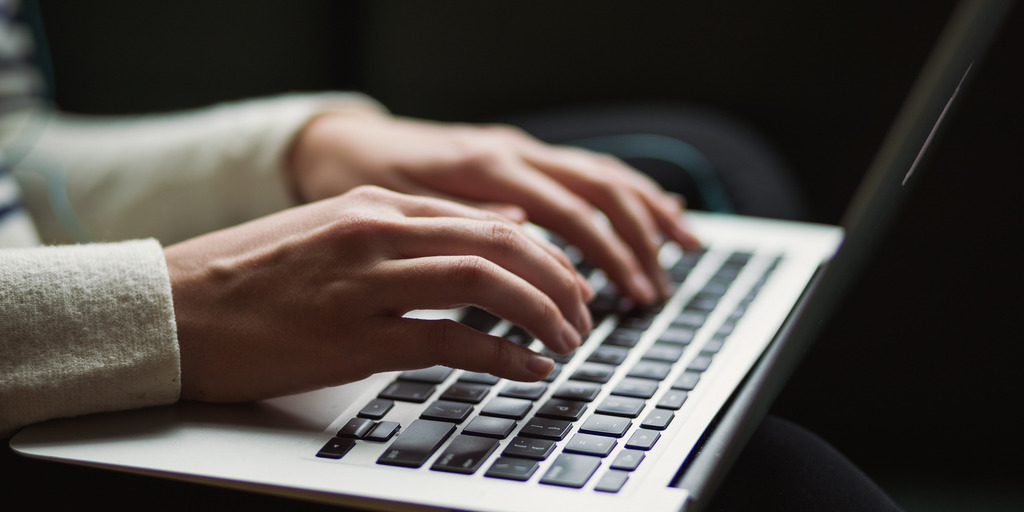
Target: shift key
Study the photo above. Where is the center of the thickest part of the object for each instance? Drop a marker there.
(420, 440)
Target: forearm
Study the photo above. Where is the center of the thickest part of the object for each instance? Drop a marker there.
(172, 176)
(87, 328)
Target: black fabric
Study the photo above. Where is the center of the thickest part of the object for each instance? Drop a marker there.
(785, 467)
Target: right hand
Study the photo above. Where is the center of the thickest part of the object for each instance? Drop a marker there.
(315, 296)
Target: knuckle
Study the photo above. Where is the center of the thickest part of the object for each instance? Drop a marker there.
(471, 270)
(475, 158)
(362, 230)
(505, 236)
(506, 130)
(371, 192)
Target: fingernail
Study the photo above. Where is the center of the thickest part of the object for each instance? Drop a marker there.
(540, 365)
(588, 292)
(570, 337)
(644, 287)
(587, 323)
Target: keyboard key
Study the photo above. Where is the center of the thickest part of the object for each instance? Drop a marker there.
(726, 328)
(479, 378)
(524, 390)
(417, 443)
(623, 338)
(612, 481)
(383, 431)
(664, 352)
(555, 372)
(519, 336)
(636, 388)
(716, 287)
(608, 354)
(489, 426)
(443, 410)
(691, 319)
(528, 448)
(738, 258)
(356, 428)
(654, 370)
(479, 319)
(558, 358)
(465, 454)
(699, 363)
(466, 392)
(727, 273)
(621, 406)
(546, 428)
(673, 399)
(658, 419)
(628, 460)
(677, 335)
(603, 425)
(687, 381)
(577, 390)
(605, 303)
(560, 409)
(504, 407)
(714, 345)
(512, 468)
(594, 372)
(643, 439)
(589, 444)
(433, 375)
(336, 448)
(738, 312)
(639, 318)
(703, 303)
(571, 470)
(376, 409)
(408, 391)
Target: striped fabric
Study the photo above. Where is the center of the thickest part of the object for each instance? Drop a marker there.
(19, 85)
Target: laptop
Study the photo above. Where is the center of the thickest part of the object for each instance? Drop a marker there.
(648, 414)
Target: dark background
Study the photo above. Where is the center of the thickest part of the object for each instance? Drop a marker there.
(915, 378)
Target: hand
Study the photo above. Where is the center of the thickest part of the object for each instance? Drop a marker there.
(505, 170)
(315, 296)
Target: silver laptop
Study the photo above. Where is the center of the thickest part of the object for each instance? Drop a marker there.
(648, 414)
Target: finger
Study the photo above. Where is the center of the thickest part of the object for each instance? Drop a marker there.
(511, 211)
(559, 208)
(629, 215)
(444, 282)
(574, 163)
(422, 343)
(417, 206)
(422, 206)
(535, 260)
(668, 208)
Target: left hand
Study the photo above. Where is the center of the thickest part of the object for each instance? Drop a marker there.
(503, 169)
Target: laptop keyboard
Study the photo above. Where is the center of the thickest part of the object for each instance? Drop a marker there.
(606, 409)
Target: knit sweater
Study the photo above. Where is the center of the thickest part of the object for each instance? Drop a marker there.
(90, 327)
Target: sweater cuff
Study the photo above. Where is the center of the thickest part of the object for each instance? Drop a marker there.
(87, 328)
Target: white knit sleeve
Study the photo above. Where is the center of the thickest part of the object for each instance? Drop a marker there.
(85, 328)
(171, 176)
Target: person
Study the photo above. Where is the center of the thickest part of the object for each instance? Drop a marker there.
(272, 246)
(396, 214)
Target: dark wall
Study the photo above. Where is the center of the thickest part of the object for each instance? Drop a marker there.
(916, 372)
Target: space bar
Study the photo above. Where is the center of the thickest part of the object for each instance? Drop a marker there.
(417, 443)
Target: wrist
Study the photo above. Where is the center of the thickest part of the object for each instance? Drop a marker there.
(317, 157)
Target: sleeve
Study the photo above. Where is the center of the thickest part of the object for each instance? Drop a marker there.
(170, 176)
(86, 328)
